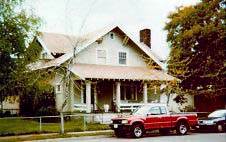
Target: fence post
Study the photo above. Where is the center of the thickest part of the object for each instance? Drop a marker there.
(84, 122)
(62, 122)
(40, 124)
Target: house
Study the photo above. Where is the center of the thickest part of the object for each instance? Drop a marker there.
(110, 68)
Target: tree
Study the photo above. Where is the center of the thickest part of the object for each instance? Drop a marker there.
(197, 36)
(15, 30)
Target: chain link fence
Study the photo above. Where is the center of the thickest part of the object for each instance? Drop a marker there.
(52, 124)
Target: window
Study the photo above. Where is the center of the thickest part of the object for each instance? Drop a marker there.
(154, 111)
(58, 88)
(128, 92)
(163, 110)
(101, 57)
(122, 58)
(112, 35)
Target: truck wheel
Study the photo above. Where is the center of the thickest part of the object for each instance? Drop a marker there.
(220, 128)
(119, 134)
(137, 131)
(182, 128)
(164, 131)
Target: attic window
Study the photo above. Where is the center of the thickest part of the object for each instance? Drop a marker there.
(112, 35)
(122, 58)
(101, 56)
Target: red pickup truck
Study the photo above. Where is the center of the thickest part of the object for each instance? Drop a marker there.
(151, 117)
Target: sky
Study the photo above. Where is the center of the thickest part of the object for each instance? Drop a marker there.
(83, 16)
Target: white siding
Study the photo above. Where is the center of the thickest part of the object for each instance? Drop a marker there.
(112, 47)
(173, 106)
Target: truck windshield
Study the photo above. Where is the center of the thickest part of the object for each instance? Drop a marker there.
(142, 110)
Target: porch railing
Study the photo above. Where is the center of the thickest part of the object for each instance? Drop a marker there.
(130, 106)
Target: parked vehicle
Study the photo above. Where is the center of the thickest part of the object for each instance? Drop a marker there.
(215, 121)
(151, 117)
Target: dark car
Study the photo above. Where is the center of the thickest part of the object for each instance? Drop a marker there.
(215, 121)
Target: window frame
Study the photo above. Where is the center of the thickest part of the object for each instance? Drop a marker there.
(106, 56)
(118, 58)
(58, 88)
(123, 93)
(149, 111)
(112, 35)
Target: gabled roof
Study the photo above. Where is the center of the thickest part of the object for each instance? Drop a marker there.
(59, 43)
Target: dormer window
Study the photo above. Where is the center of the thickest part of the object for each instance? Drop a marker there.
(112, 35)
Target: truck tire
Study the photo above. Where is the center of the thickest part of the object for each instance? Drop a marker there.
(182, 128)
(119, 133)
(220, 128)
(164, 131)
(137, 131)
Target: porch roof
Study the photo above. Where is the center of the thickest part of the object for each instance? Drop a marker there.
(119, 72)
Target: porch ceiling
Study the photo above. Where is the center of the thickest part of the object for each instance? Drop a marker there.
(119, 72)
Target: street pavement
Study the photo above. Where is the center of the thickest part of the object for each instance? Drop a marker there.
(152, 137)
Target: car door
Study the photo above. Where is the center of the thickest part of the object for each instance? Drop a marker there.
(165, 118)
(153, 118)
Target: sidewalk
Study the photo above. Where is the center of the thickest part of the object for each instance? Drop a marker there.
(87, 133)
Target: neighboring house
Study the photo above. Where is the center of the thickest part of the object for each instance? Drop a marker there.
(11, 105)
(111, 68)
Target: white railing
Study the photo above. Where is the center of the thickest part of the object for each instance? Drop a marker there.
(80, 107)
(130, 106)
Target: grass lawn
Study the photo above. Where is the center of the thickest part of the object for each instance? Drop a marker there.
(16, 126)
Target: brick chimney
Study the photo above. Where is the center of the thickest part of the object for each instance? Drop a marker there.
(145, 37)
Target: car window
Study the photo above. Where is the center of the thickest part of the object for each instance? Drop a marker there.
(218, 113)
(154, 111)
(163, 110)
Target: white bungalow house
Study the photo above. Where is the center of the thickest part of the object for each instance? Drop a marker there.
(111, 68)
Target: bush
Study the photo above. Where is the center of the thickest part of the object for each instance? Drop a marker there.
(189, 108)
(46, 111)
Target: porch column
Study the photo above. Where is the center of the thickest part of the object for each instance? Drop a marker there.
(118, 95)
(145, 94)
(88, 96)
(82, 94)
(95, 97)
(72, 95)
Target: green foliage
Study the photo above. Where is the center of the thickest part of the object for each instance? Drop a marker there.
(197, 36)
(15, 30)
(38, 102)
(180, 99)
(33, 52)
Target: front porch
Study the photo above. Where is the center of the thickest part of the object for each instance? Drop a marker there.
(118, 88)
(116, 95)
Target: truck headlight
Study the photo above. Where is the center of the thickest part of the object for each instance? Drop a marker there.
(124, 121)
(111, 121)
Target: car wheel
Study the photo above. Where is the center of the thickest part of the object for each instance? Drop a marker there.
(182, 128)
(220, 128)
(137, 131)
(164, 131)
(119, 133)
